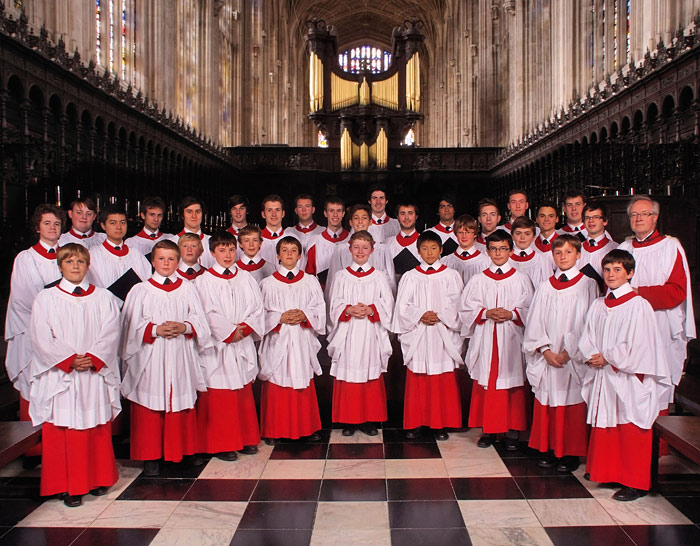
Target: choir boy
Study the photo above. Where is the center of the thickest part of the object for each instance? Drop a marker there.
(114, 265)
(493, 311)
(427, 323)
(445, 228)
(32, 270)
(468, 259)
(152, 213)
(273, 213)
(489, 217)
(250, 241)
(517, 207)
(306, 228)
(226, 415)
(321, 248)
(191, 250)
(82, 214)
(75, 380)
(554, 365)
(383, 227)
(546, 220)
(163, 330)
(627, 383)
(598, 242)
(402, 249)
(574, 201)
(526, 258)
(238, 207)
(192, 213)
(361, 307)
(295, 315)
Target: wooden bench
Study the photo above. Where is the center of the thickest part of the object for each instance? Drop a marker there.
(16, 437)
(682, 432)
(687, 394)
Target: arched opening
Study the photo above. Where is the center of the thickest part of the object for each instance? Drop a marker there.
(614, 130)
(667, 107)
(652, 114)
(638, 120)
(685, 99)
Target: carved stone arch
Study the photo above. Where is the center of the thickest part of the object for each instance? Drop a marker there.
(625, 125)
(15, 87)
(594, 138)
(614, 130)
(667, 107)
(638, 120)
(652, 114)
(603, 134)
(685, 98)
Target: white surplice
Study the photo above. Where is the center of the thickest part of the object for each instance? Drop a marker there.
(106, 266)
(475, 261)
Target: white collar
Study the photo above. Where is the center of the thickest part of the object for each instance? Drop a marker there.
(646, 236)
(307, 226)
(110, 243)
(542, 237)
(220, 269)
(283, 270)
(384, 217)
(504, 268)
(246, 259)
(279, 231)
(570, 273)
(47, 247)
(365, 266)
(435, 265)
(331, 233)
(529, 249)
(69, 286)
(184, 267)
(406, 235)
(149, 232)
(161, 280)
(451, 226)
(471, 250)
(621, 290)
(186, 230)
(599, 238)
(576, 227)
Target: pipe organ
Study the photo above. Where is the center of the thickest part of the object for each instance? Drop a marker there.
(366, 114)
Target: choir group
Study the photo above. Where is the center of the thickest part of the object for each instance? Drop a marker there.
(182, 325)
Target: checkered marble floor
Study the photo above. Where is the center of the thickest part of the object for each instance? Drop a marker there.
(382, 490)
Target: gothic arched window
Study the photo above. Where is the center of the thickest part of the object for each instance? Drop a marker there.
(364, 58)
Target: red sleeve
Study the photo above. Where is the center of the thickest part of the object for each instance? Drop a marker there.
(311, 261)
(670, 294)
(247, 330)
(306, 324)
(147, 334)
(96, 362)
(480, 319)
(276, 328)
(516, 318)
(375, 317)
(65, 365)
(344, 317)
(194, 332)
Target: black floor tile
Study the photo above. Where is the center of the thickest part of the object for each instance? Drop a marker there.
(325, 434)
(392, 435)
(41, 536)
(430, 537)
(12, 511)
(278, 515)
(588, 536)
(300, 451)
(663, 535)
(556, 487)
(523, 453)
(420, 489)
(411, 451)
(287, 490)
(486, 488)
(115, 537)
(424, 514)
(689, 506)
(353, 490)
(20, 488)
(156, 489)
(179, 470)
(355, 451)
(221, 490)
(528, 467)
(270, 537)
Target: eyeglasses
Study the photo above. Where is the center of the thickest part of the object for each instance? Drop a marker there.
(597, 217)
(645, 214)
(498, 249)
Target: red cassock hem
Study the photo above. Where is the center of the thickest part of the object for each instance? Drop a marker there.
(498, 410)
(432, 401)
(34, 451)
(227, 420)
(561, 428)
(288, 413)
(162, 434)
(620, 454)
(76, 461)
(355, 403)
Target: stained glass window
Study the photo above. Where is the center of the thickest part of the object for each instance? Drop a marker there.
(627, 42)
(111, 36)
(123, 39)
(615, 35)
(410, 138)
(322, 140)
(98, 32)
(364, 59)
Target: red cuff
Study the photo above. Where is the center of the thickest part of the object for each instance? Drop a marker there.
(247, 330)
(277, 328)
(375, 316)
(516, 318)
(97, 362)
(670, 294)
(480, 317)
(614, 368)
(306, 324)
(229, 339)
(194, 332)
(147, 334)
(65, 365)
(344, 317)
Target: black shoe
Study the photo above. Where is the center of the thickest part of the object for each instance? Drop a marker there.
(272, 441)
(629, 494)
(348, 431)
(227, 456)
(31, 462)
(512, 444)
(587, 477)
(193, 461)
(151, 468)
(72, 501)
(441, 435)
(99, 491)
(485, 441)
(413, 433)
(315, 437)
(369, 429)
(548, 461)
(248, 450)
(568, 463)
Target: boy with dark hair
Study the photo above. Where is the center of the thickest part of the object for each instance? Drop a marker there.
(152, 213)
(574, 201)
(489, 217)
(192, 212)
(273, 212)
(306, 228)
(238, 207)
(526, 258)
(597, 243)
(401, 249)
(382, 227)
(467, 260)
(517, 207)
(249, 259)
(82, 214)
(322, 247)
(445, 228)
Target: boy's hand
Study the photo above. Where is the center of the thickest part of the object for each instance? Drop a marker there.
(293, 317)
(430, 318)
(238, 334)
(170, 329)
(597, 361)
(498, 314)
(81, 363)
(360, 310)
(552, 359)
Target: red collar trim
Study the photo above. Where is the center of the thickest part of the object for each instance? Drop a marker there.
(90, 290)
(285, 280)
(166, 287)
(568, 229)
(360, 275)
(192, 277)
(545, 247)
(312, 226)
(480, 239)
(123, 251)
(508, 225)
(201, 235)
(45, 253)
(145, 235)
(439, 270)
(557, 284)
(221, 276)
(80, 235)
(654, 238)
(248, 267)
(518, 258)
(384, 220)
(495, 276)
(404, 242)
(465, 258)
(601, 244)
(341, 237)
(439, 227)
(619, 301)
(232, 230)
(267, 234)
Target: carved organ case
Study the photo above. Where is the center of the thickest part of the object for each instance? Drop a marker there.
(364, 114)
